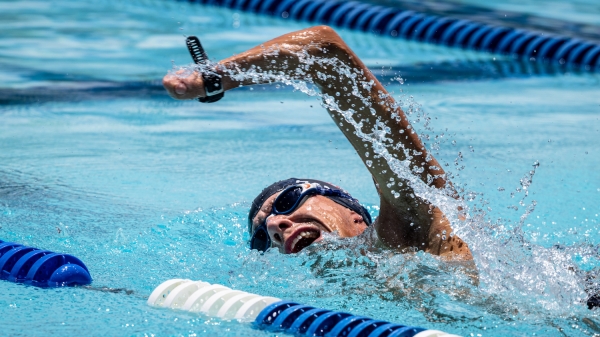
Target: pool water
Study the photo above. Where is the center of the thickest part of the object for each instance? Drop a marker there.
(97, 161)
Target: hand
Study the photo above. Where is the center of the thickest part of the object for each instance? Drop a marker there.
(184, 87)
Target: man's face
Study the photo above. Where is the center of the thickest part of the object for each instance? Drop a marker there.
(295, 231)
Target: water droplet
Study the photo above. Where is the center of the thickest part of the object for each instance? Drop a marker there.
(369, 163)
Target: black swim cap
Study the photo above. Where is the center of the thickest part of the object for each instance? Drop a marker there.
(351, 204)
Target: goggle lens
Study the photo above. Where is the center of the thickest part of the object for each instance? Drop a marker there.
(287, 201)
(260, 239)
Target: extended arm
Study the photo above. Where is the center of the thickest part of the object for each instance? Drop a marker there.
(366, 114)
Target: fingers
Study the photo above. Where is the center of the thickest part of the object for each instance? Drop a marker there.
(180, 89)
(184, 87)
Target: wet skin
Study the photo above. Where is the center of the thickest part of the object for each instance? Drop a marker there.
(400, 209)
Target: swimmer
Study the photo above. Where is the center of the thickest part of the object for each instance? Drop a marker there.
(291, 214)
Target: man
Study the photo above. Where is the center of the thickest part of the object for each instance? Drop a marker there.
(292, 214)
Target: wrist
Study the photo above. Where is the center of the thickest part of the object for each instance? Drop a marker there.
(213, 87)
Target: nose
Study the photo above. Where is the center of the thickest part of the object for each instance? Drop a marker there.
(276, 225)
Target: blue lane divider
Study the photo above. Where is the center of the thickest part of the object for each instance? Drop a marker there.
(411, 25)
(40, 268)
(298, 319)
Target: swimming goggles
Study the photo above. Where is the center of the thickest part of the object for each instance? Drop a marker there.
(287, 202)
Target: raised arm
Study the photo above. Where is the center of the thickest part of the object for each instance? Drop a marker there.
(370, 119)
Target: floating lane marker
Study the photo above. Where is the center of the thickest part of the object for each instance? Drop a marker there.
(209, 299)
(40, 268)
(273, 314)
(406, 24)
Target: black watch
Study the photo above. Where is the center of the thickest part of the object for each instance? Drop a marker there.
(213, 88)
(212, 82)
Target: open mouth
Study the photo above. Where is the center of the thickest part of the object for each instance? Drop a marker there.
(302, 239)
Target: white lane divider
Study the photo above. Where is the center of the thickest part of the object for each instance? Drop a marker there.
(210, 299)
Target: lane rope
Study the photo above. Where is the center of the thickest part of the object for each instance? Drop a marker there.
(273, 314)
(407, 24)
(40, 268)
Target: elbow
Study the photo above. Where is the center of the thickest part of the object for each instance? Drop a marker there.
(325, 32)
(327, 38)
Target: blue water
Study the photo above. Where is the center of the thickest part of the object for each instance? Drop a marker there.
(97, 161)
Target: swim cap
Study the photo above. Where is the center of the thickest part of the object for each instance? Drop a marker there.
(350, 203)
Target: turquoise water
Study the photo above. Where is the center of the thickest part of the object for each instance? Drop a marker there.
(98, 162)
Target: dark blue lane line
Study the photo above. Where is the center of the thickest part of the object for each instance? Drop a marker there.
(495, 17)
(451, 31)
(33, 75)
(78, 91)
(449, 71)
